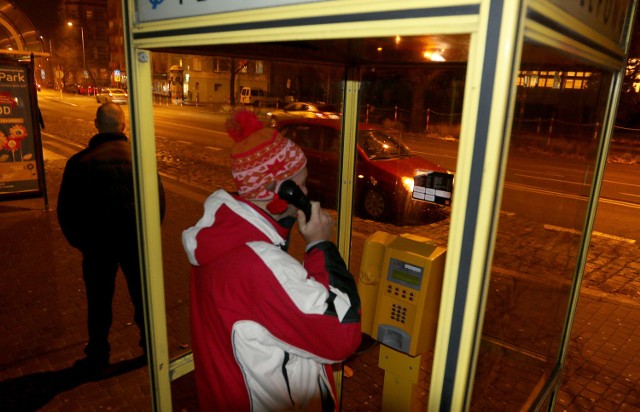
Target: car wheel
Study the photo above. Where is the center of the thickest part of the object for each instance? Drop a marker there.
(375, 204)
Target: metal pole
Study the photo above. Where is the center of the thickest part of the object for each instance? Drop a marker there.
(84, 57)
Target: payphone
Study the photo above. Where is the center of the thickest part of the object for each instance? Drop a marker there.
(400, 285)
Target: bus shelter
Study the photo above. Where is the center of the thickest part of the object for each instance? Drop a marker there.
(500, 94)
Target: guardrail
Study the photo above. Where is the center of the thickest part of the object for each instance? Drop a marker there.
(549, 127)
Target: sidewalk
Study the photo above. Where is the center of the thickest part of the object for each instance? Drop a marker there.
(43, 314)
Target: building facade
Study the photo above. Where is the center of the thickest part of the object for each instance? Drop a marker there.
(87, 28)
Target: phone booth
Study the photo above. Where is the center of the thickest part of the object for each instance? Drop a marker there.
(433, 132)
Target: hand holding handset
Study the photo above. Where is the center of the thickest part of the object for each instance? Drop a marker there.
(291, 193)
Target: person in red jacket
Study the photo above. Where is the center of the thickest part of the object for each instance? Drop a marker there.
(266, 328)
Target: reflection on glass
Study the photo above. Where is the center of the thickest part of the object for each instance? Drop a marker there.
(385, 170)
(409, 121)
(409, 112)
(377, 145)
(552, 154)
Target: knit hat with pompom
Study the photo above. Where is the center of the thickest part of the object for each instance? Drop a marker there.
(261, 159)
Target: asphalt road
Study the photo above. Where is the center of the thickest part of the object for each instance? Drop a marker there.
(532, 181)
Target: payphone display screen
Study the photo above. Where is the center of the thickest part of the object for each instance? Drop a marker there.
(405, 274)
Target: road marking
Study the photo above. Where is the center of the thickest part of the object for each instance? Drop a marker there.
(189, 190)
(63, 101)
(533, 189)
(64, 149)
(213, 148)
(621, 183)
(49, 155)
(630, 194)
(577, 232)
(435, 154)
(614, 237)
(65, 142)
(550, 179)
(183, 141)
(513, 169)
(195, 128)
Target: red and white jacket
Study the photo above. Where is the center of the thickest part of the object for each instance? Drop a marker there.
(265, 329)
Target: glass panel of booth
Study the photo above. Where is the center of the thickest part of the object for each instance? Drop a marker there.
(409, 111)
(556, 132)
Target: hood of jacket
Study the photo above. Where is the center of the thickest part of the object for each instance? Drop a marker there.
(228, 221)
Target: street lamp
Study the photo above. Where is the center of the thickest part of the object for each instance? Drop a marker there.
(84, 57)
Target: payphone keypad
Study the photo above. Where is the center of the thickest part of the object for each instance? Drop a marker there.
(399, 313)
(400, 292)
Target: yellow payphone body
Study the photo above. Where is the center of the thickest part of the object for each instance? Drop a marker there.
(400, 284)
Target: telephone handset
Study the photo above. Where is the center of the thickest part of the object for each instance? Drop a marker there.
(291, 193)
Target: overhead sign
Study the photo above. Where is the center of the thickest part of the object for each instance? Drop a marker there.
(154, 10)
(605, 16)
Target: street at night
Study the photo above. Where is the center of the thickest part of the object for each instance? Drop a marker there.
(477, 162)
(608, 294)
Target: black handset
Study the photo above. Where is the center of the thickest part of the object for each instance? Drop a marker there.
(291, 193)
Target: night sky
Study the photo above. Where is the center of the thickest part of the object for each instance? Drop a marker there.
(42, 13)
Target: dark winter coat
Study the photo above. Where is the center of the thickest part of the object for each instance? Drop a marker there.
(96, 199)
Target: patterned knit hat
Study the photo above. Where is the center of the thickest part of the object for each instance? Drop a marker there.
(261, 159)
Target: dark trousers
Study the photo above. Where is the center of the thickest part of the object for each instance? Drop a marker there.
(99, 269)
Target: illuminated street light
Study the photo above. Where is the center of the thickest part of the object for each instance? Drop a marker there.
(84, 58)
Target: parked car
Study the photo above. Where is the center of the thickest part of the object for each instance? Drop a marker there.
(258, 98)
(385, 171)
(306, 110)
(117, 96)
(71, 88)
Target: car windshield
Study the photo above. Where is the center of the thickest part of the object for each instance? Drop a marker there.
(117, 91)
(379, 145)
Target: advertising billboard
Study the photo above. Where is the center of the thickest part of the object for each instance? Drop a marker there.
(21, 163)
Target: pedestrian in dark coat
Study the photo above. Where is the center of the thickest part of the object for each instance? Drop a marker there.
(96, 211)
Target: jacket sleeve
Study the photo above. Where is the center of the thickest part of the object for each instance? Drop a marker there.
(325, 264)
(313, 311)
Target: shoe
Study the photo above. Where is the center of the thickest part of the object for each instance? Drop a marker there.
(91, 366)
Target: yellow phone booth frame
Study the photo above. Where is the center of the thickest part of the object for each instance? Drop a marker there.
(496, 30)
